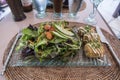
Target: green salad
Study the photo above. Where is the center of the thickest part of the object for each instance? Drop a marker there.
(49, 40)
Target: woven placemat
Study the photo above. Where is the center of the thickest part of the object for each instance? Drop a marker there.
(68, 73)
(66, 10)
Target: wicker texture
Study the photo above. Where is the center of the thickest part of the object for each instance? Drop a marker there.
(68, 73)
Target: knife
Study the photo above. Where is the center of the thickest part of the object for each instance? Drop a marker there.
(9, 54)
(104, 40)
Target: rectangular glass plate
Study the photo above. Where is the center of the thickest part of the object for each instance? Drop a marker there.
(78, 60)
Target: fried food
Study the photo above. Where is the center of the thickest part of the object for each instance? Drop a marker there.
(94, 50)
(91, 37)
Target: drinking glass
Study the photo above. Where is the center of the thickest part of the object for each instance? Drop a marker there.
(40, 6)
(74, 6)
(91, 18)
(57, 7)
(16, 9)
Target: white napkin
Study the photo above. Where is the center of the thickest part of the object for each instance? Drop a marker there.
(115, 26)
(6, 12)
(107, 8)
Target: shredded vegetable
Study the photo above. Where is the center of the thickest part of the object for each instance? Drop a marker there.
(50, 40)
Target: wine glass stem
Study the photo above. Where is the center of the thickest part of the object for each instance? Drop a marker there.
(93, 13)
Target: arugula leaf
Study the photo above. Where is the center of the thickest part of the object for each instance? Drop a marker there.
(63, 44)
(29, 32)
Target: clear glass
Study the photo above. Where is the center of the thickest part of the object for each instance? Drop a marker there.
(91, 18)
(40, 6)
(74, 6)
(57, 7)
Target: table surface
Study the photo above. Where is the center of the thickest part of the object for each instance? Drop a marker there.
(107, 9)
(8, 27)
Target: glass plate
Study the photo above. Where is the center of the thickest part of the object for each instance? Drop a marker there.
(78, 60)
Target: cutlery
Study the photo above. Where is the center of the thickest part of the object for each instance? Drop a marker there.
(104, 40)
(9, 54)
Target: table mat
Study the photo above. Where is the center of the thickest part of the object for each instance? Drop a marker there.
(68, 73)
(66, 10)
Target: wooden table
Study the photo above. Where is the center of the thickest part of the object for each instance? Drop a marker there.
(8, 29)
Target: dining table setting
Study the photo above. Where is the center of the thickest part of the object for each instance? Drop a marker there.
(58, 40)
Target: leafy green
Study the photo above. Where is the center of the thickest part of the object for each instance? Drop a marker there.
(62, 44)
(29, 32)
(87, 28)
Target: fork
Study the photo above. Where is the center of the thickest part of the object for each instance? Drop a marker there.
(10, 53)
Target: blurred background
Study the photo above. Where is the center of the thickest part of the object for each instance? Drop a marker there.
(110, 11)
